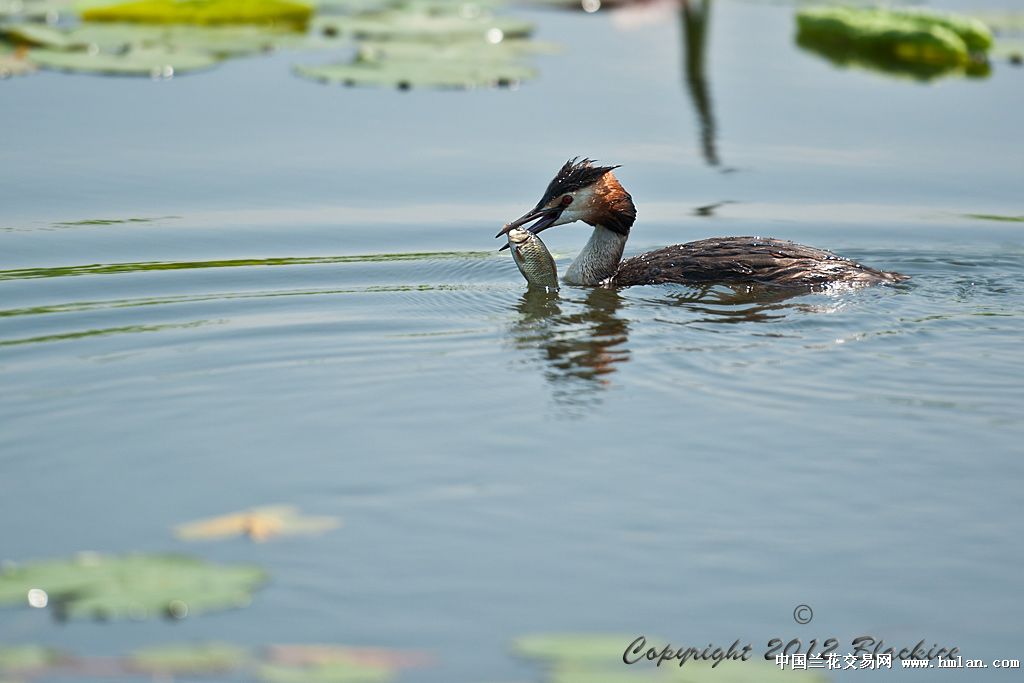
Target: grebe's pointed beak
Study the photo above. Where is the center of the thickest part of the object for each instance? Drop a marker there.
(546, 216)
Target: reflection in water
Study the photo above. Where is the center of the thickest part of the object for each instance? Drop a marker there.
(103, 332)
(116, 268)
(732, 304)
(695, 15)
(581, 341)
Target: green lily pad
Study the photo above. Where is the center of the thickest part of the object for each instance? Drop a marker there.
(50, 10)
(904, 35)
(354, 6)
(329, 672)
(406, 74)
(222, 41)
(372, 657)
(155, 62)
(596, 658)
(407, 64)
(180, 660)
(203, 12)
(755, 669)
(464, 50)
(573, 647)
(562, 674)
(17, 659)
(36, 34)
(409, 23)
(843, 56)
(131, 586)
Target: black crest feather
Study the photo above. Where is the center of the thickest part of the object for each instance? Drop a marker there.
(574, 175)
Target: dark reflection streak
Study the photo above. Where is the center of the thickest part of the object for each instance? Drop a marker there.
(117, 268)
(580, 342)
(734, 304)
(76, 307)
(66, 336)
(695, 16)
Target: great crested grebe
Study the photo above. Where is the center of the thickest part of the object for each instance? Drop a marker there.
(582, 191)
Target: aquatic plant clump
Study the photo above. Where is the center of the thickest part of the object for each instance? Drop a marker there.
(909, 35)
(98, 586)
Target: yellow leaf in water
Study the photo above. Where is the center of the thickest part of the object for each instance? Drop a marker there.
(259, 524)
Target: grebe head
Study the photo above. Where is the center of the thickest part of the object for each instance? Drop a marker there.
(581, 191)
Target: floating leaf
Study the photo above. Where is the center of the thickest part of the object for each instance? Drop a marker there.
(410, 74)
(572, 647)
(131, 586)
(845, 57)
(221, 41)
(464, 64)
(755, 669)
(23, 659)
(325, 673)
(203, 12)
(49, 10)
(912, 36)
(36, 34)
(259, 524)
(156, 61)
(417, 24)
(178, 660)
(14, 64)
(354, 6)
(595, 658)
(464, 50)
(377, 657)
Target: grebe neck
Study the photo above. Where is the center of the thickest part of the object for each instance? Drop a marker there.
(599, 259)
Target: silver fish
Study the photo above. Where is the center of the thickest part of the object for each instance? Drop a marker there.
(533, 259)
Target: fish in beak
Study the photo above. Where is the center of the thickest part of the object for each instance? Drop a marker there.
(545, 219)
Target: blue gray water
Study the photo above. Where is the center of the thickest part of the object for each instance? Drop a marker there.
(310, 309)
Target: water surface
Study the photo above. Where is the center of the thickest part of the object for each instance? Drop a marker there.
(240, 288)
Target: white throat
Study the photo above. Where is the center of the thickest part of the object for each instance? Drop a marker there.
(599, 259)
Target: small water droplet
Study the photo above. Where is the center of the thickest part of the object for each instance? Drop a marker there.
(495, 36)
(590, 6)
(177, 609)
(38, 598)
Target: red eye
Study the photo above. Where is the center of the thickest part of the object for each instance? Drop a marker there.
(567, 200)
